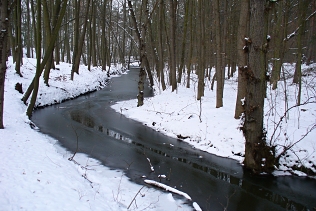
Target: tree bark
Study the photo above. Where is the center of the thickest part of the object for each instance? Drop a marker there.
(4, 18)
(192, 36)
(258, 156)
(201, 64)
(76, 62)
(173, 61)
(141, 35)
(242, 55)
(38, 59)
(161, 46)
(298, 69)
(18, 47)
(219, 68)
(183, 45)
(278, 45)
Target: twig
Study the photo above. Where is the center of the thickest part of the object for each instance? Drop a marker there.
(286, 148)
(135, 197)
(77, 147)
(52, 161)
(284, 115)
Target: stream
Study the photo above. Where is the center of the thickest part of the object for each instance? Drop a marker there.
(215, 183)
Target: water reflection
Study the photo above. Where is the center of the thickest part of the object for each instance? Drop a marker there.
(193, 160)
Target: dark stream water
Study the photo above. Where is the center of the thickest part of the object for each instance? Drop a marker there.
(215, 183)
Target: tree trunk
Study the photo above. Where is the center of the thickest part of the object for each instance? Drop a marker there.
(48, 51)
(4, 18)
(93, 37)
(242, 62)
(258, 156)
(76, 62)
(104, 45)
(141, 35)
(183, 45)
(48, 32)
(76, 29)
(38, 59)
(173, 62)
(201, 64)
(142, 48)
(278, 45)
(28, 36)
(219, 68)
(303, 4)
(192, 36)
(18, 47)
(161, 46)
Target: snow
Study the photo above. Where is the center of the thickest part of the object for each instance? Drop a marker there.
(214, 130)
(196, 206)
(35, 173)
(167, 188)
(268, 37)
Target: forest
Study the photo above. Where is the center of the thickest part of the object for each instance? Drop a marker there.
(172, 39)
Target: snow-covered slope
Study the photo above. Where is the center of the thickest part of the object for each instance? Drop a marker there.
(35, 173)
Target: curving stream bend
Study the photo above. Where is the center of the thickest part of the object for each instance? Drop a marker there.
(213, 182)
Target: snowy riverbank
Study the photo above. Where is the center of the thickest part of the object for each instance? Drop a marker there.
(215, 130)
(35, 173)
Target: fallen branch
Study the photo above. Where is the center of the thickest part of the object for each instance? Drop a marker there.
(168, 188)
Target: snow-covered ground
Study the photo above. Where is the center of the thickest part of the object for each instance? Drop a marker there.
(179, 114)
(35, 173)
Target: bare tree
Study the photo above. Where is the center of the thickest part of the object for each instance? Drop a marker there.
(140, 34)
(33, 87)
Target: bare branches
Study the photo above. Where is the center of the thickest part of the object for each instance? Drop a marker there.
(285, 113)
(289, 36)
(286, 148)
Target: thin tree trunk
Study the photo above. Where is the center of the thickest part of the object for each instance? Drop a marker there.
(75, 66)
(93, 38)
(219, 68)
(141, 35)
(173, 62)
(76, 38)
(201, 65)
(48, 37)
(161, 46)
(28, 36)
(4, 18)
(38, 59)
(279, 45)
(18, 38)
(183, 46)
(298, 70)
(192, 34)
